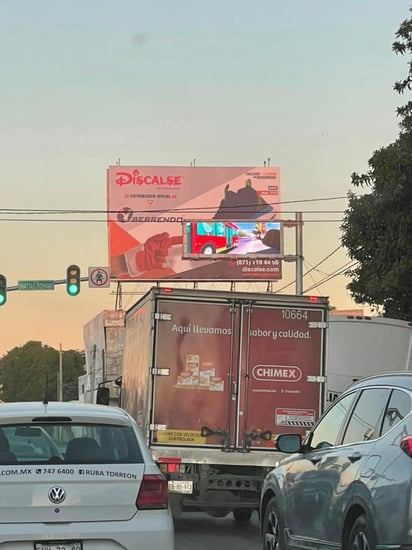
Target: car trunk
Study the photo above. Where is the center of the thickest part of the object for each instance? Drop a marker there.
(97, 492)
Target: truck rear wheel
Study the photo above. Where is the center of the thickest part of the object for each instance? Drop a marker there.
(242, 515)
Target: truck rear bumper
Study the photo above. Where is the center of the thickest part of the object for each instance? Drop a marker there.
(195, 455)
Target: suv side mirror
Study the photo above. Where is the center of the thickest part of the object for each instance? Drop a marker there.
(288, 443)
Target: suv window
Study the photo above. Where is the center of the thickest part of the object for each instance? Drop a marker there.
(367, 415)
(327, 430)
(398, 407)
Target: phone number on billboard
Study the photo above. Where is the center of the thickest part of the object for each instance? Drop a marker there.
(255, 261)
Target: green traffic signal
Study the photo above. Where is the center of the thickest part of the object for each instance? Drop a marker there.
(3, 290)
(73, 290)
(73, 280)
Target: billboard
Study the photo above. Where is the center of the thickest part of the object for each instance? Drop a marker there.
(149, 208)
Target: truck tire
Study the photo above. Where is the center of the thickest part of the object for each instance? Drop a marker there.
(242, 515)
(362, 535)
(273, 527)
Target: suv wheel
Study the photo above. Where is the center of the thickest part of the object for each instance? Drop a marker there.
(362, 535)
(273, 527)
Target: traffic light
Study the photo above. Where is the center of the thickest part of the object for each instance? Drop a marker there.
(73, 280)
(3, 290)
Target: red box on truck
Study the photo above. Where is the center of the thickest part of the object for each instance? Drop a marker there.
(212, 377)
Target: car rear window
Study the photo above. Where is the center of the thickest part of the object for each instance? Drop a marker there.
(69, 443)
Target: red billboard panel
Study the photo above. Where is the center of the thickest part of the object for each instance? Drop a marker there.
(149, 207)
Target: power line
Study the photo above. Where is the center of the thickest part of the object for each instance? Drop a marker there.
(193, 209)
(77, 220)
(324, 259)
(336, 273)
(231, 211)
(314, 267)
(311, 275)
(4, 212)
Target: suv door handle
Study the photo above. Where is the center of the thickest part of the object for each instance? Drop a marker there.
(355, 456)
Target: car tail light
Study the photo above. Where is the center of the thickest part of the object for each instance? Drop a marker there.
(152, 493)
(406, 445)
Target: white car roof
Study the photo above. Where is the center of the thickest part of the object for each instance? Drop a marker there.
(81, 412)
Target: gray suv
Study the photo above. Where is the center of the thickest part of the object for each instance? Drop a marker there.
(348, 484)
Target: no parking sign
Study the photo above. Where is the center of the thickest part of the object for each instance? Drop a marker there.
(99, 277)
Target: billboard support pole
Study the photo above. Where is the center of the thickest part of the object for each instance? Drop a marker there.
(299, 253)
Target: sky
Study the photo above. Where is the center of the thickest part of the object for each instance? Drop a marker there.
(86, 84)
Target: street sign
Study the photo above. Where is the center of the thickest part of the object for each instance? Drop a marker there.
(99, 277)
(35, 285)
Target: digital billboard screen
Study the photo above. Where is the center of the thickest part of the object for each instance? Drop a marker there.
(230, 239)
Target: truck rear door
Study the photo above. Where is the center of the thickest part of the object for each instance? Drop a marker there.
(281, 372)
(235, 374)
(195, 360)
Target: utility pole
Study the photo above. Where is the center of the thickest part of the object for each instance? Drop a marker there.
(93, 374)
(299, 253)
(298, 256)
(60, 374)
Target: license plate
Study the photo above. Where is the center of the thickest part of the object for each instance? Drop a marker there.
(182, 487)
(59, 545)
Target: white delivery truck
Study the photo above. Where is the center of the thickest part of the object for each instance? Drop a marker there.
(360, 346)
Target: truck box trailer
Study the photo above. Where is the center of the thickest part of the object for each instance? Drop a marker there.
(211, 377)
(359, 346)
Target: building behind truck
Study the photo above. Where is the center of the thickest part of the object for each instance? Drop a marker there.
(212, 377)
(103, 338)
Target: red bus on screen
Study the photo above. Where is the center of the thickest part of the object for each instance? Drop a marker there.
(210, 237)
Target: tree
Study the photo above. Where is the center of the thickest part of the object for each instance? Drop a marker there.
(377, 227)
(31, 373)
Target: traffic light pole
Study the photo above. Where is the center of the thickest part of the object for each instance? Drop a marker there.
(56, 282)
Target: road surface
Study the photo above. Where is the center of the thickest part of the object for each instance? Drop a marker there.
(198, 531)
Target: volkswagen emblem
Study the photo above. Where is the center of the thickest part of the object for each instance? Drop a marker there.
(57, 495)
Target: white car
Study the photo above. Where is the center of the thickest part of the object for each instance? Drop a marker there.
(79, 477)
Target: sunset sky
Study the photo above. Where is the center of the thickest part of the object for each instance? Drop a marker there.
(88, 84)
